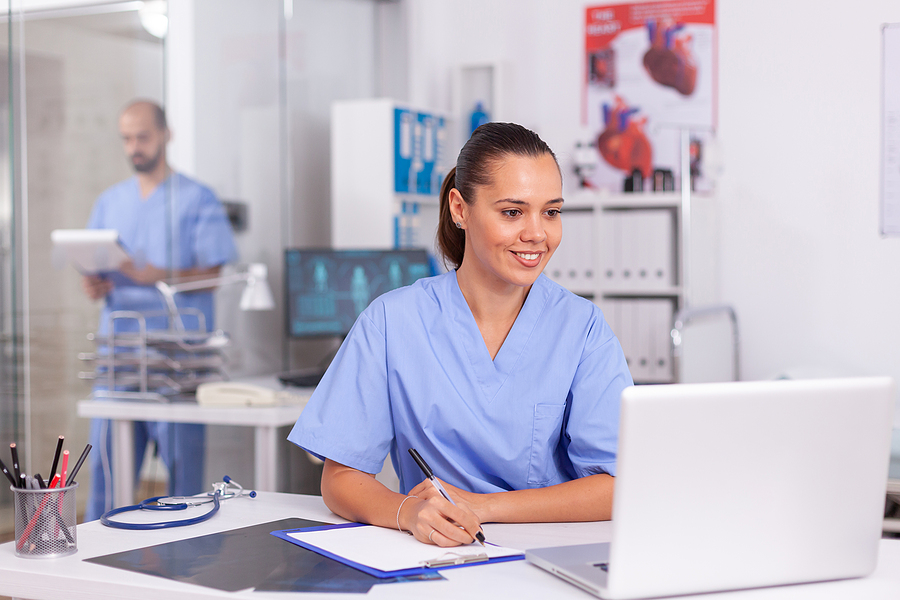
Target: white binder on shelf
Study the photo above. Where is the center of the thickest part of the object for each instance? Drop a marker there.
(627, 333)
(660, 256)
(660, 312)
(572, 235)
(610, 249)
(629, 248)
(642, 249)
(642, 315)
(609, 308)
(651, 232)
(556, 268)
(581, 224)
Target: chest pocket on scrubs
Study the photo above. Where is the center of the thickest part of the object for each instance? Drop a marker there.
(548, 418)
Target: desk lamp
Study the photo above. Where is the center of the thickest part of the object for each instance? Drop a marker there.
(256, 294)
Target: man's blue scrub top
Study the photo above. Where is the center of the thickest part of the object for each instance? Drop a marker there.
(414, 372)
(180, 225)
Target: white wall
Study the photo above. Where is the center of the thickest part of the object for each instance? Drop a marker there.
(538, 45)
(815, 288)
(802, 260)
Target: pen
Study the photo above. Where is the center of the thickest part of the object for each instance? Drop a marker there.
(8, 474)
(437, 485)
(78, 464)
(59, 445)
(15, 459)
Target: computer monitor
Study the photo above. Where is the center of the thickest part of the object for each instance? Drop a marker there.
(327, 289)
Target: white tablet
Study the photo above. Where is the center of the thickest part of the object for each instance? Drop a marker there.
(88, 250)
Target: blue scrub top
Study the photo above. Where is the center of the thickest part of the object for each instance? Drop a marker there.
(181, 225)
(414, 372)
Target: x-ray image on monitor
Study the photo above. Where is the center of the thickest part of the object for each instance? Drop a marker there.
(328, 289)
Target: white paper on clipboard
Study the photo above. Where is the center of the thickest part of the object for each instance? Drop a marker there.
(890, 130)
(90, 251)
(388, 550)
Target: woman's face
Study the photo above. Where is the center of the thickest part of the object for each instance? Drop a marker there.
(513, 225)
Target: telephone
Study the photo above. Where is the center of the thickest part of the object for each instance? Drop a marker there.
(234, 393)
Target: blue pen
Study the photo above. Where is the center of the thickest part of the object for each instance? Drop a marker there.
(437, 485)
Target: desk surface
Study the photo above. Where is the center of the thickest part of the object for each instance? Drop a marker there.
(191, 412)
(73, 579)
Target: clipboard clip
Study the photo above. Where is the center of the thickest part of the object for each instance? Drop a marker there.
(451, 559)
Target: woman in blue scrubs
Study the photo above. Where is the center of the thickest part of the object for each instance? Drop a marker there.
(506, 383)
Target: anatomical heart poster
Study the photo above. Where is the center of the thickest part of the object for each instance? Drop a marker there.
(649, 73)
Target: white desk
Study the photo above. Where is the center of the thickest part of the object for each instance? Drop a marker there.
(264, 419)
(72, 579)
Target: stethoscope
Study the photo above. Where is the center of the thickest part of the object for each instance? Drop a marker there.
(222, 490)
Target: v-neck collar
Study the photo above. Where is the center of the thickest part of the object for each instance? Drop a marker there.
(492, 374)
(159, 190)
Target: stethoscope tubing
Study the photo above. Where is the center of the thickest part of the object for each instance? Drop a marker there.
(148, 505)
(222, 492)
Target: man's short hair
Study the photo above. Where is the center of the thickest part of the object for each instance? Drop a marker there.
(159, 115)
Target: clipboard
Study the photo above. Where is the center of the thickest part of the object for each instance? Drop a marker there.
(410, 557)
(90, 251)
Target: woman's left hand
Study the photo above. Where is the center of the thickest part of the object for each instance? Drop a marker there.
(477, 503)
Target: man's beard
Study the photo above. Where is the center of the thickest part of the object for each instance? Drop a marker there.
(148, 165)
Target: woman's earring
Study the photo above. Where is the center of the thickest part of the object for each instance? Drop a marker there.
(458, 225)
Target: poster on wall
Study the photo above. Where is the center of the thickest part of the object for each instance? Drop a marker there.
(650, 72)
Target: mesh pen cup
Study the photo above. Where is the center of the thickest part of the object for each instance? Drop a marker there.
(45, 522)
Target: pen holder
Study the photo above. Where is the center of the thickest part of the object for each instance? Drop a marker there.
(45, 522)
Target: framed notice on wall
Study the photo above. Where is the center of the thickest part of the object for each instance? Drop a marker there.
(890, 130)
(650, 71)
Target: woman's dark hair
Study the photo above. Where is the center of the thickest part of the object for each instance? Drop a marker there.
(475, 166)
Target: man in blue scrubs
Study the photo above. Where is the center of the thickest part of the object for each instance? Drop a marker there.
(173, 228)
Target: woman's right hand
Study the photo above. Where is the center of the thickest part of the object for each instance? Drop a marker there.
(433, 520)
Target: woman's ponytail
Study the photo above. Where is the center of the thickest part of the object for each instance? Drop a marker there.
(451, 240)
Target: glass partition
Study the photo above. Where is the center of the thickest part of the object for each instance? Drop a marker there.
(67, 73)
(12, 405)
(248, 96)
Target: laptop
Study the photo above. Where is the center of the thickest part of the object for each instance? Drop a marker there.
(727, 486)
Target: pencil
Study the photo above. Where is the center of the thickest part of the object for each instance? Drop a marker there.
(65, 467)
(59, 445)
(15, 459)
(8, 474)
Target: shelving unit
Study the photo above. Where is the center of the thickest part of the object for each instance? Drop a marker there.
(641, 257)
(388, 161)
